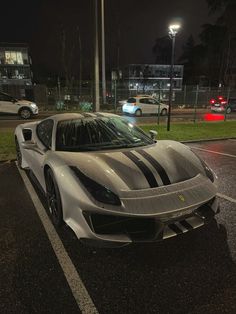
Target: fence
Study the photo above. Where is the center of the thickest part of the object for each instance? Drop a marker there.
(73, 99)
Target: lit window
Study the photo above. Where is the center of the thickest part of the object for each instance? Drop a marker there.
(13, 57)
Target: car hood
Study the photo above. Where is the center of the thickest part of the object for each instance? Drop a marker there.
(163, 163)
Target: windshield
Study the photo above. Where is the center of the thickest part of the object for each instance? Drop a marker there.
(98, 134)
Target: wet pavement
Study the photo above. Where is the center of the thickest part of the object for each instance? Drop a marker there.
(191, 273)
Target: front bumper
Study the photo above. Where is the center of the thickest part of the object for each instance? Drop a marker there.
(121, 230)
(35, 111)
(144, 215)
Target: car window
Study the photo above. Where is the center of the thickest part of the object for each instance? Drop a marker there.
(131, 100)
(44, 132)
(143, 100)
(97, 134)
(5, 97)
(152, 101)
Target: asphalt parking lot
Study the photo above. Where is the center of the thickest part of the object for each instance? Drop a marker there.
(44, 271)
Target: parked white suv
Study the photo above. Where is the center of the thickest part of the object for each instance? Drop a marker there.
(144, 105)
(24, 108)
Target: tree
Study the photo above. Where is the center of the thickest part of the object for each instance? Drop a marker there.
(215, 57)
(227, 22)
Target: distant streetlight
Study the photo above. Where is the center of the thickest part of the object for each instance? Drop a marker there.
(173, 30)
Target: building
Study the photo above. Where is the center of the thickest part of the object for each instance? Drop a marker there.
(15, 70)
(152, 78)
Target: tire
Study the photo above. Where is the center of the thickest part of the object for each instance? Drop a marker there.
(138, 113)
(25, 113)
(18, 154)
(53, 199)
(228, 110)
(164, 112)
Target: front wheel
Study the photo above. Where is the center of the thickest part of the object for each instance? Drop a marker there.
(54, 199)
(25, 113)
(138, 113)
(18, 154)
(164, 112)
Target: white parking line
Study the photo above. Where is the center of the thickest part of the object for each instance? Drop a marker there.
(77, 287)
(227, 198)
(213, 152)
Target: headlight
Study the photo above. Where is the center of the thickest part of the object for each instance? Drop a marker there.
(208, 171)
(33, 106)
(99, 192)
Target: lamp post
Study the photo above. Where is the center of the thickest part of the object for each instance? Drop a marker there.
(96, 62)
(173, 30)
(103, 54)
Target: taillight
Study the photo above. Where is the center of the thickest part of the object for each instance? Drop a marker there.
(212, 101)
(220, 97)
(223, 102)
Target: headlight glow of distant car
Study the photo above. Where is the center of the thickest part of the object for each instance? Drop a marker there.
(98, 191)
(33, 106)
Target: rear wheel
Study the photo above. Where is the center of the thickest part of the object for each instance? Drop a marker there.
(53, 199)
(18, 153)
(25, 113)
(164, 112)
(138, 113)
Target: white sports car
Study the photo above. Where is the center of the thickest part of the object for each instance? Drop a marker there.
(113, 184)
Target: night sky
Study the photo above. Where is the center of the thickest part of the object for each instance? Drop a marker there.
(139, 22)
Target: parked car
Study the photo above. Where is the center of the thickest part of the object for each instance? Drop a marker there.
(221, 104)
(24, 108)
(112, 183)
(231, 106)
(142, 104)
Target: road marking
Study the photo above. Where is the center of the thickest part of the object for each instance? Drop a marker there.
(227, 198)
(77, 287)
(213, 152)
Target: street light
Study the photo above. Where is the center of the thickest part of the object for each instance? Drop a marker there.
(173, 30)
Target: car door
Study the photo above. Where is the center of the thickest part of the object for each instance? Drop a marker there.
(149, 105)
(44, 141)
(233, 104)
(8, 104)
(153, 106)
(144, 105)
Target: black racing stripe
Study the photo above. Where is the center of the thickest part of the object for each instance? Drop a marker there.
(145, 170)
(185, 224)
(160, 170)
(174, 228)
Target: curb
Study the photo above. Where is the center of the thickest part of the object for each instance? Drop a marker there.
(209, 140)
(2, 162)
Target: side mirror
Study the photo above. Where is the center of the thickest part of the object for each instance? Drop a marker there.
(153, 134)
(13, 100)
